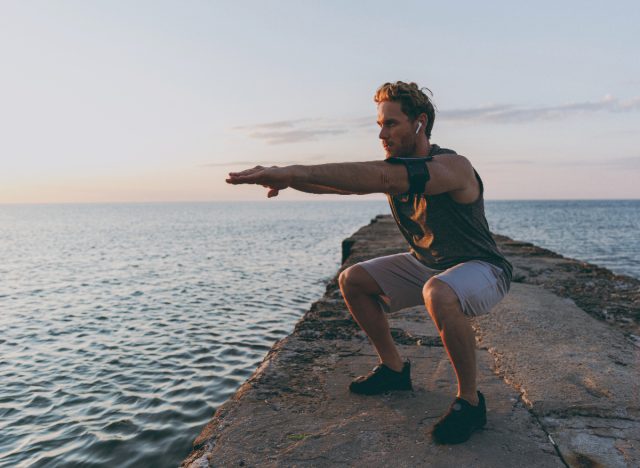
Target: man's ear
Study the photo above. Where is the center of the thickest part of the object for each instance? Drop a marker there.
(422, 122)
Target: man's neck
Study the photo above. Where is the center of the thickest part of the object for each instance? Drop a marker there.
(423, 147)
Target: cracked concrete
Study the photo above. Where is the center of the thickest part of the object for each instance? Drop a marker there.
(560, 382)
(577, 374)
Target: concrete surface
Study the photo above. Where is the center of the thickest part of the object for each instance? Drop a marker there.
(561, 381)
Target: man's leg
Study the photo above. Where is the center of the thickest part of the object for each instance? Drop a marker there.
(468, 289)
(360, 292)
(457, 335)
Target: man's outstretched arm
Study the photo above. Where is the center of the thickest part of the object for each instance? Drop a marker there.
(320, 189)
(449, 173)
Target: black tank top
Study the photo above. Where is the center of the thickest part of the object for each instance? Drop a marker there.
(442, 232)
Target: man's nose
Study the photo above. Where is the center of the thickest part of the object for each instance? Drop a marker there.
(383, 135)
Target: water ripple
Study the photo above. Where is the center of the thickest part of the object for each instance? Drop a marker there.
(123, 327)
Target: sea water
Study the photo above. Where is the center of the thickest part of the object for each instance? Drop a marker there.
(123, 327)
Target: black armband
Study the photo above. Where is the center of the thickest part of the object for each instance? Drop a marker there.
(417, 170)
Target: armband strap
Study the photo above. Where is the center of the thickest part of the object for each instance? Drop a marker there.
(417, 170)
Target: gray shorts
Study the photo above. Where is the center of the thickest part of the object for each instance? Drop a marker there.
(479, 285)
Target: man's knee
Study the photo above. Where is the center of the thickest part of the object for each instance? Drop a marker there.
(355, 279)
(440, 300)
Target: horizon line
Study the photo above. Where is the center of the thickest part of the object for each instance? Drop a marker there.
(287, 201)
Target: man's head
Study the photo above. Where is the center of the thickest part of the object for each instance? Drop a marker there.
(405, 117)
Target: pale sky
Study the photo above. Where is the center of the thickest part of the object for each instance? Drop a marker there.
(114, 101)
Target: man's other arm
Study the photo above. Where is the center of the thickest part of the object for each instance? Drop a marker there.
(449, 173)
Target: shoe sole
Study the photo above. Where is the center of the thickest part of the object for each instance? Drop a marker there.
(378, 392)
(439, 441)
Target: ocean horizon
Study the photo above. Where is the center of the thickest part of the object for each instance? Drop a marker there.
(323, 198)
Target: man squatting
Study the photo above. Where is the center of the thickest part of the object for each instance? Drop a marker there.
(453, 267)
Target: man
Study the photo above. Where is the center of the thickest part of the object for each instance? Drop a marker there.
(454, 267)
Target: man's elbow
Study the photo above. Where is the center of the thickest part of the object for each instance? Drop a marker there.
(461, 175)
(468, 171)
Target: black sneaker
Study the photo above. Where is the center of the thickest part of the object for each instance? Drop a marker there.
(382, 379)
(460, 421)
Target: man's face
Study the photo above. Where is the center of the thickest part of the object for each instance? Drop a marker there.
(397, 131)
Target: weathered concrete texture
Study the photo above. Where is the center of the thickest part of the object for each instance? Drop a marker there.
(597, 291)
(297, 411)
(579, 375)
(567, 375)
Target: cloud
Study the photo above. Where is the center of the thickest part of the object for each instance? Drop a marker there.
(311, 159)
(306, 129)
(293, 131)
(247, 163)
(362, 122)
(509, 162)
(628, 162)
(294, 136)
(274, 125)
(519, 114)
(625, 162)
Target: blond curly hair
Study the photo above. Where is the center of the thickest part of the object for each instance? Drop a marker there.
(413, 100)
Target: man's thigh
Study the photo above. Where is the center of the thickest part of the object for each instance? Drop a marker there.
(401, 277)
(479, 285)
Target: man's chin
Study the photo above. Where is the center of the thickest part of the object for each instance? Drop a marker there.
(399, 152)
(396, 154)
(392, 153)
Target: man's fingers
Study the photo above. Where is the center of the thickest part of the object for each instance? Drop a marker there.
(272, 193)
(267, 177)
(240, 178)
(249, 176)
(247, 171)
(243, 179)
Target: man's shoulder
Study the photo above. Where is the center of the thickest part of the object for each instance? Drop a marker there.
(436, 149)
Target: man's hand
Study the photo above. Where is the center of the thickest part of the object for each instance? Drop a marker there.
(274, 178)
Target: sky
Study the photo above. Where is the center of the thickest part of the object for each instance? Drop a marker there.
(145, 101)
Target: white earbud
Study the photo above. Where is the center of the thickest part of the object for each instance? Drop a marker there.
(419, 126)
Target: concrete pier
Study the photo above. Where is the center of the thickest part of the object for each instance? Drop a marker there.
(559, 364)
